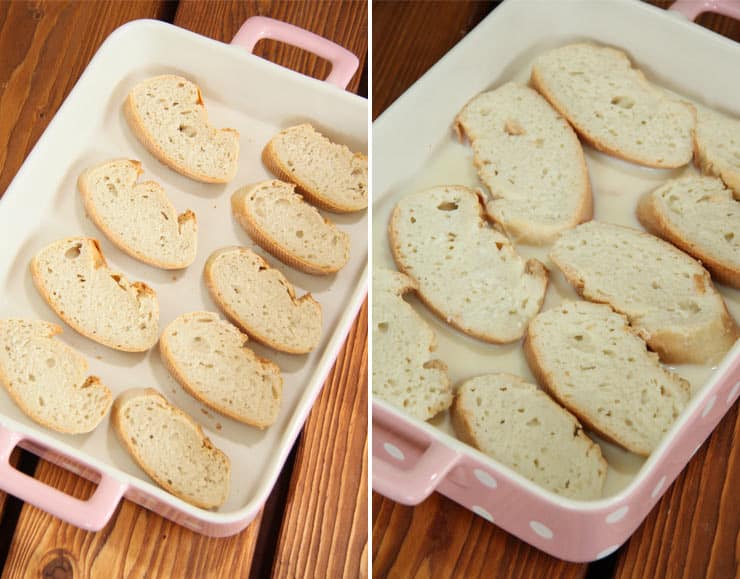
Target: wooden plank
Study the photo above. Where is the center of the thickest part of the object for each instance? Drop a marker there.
(343, 22)
(324, 531)
(409, 37)
(694, 530)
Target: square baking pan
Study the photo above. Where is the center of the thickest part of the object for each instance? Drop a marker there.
(42, 204)
(414, 148)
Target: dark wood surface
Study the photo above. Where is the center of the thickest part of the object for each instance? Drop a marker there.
(316, 518)
(694, 531)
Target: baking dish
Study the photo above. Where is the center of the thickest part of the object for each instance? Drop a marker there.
(411, 458)
(41, 205)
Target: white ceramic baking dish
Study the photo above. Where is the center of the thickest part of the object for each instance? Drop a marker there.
(414, 148)
(41, 205)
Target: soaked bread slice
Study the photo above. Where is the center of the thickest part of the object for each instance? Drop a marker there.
(520, 426)
(592, 362)
(613, 106)
(327, 174)
(48, 380)
(717, 146)
(666, 295)
(171, 448)
(467, 272)
(167, 114)
(73, 277)
(138, 217)
(405, 373)
(262, 302)
(699, 216)
(208, 357)
(281, 222)
(531, 160)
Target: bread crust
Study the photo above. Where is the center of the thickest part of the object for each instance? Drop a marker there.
(218, 297)
(269, 244)
(707, 166)
(531, 266)
(117, 240)
(656, 223)
(141, 288)
(138, 128)
(120, 431)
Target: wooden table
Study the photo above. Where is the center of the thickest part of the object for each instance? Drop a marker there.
(313, 524)
(694, 531)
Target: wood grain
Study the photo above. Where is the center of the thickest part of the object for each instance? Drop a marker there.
(692, 531)
(324, 530)
(342, 22)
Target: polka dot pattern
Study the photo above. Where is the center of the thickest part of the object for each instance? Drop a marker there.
(481, 512)
(617, 515)
(542, 530)
(394, 451)
(485, 479)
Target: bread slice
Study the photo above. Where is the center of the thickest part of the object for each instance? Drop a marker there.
(138, 217)
(467, 272)
(405, 373)
(520, 426)
(208, 357)
(665, 294)
(167, 114)
(531, 160)
(262, 302)
(73, 277)
(699, 216)
(282, 223)
(597, 366)
(171, 448)
(717, 146)
(48, 380)
(329, 175)
(613, 107)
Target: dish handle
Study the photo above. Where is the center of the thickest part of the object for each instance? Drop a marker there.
(412, 486)
(692, 8)
(344, 64)
(91, 515)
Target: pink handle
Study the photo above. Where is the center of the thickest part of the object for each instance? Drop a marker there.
(410, 487)
(344, 64)
(692, 8)
(91, 515)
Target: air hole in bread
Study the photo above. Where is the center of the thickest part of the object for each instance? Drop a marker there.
(51, 362)
(447, 206)
(383, 326)
(299, 233)
(623, 101)
(73, 252)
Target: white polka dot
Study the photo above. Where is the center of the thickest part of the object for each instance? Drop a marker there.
(541, 530)
(658, 487)
(617, 515)
(485, 478)
(608, 551)
(733, 393)
(394, 451)
(481, 512)
(709, 406)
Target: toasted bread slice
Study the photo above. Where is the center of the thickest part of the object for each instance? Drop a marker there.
(467, 272)
(138, 217)
(531, 160)
(73, 277)
(666, 295)
(405, 373)
(613, 107)
(699, 216)
(520, 426)
(208, 357)
(48, 380)
(262, 302)
(597, 366)
(171, 448)
(717, 146)
(167, 114)
(282, 223)
(327, 174)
